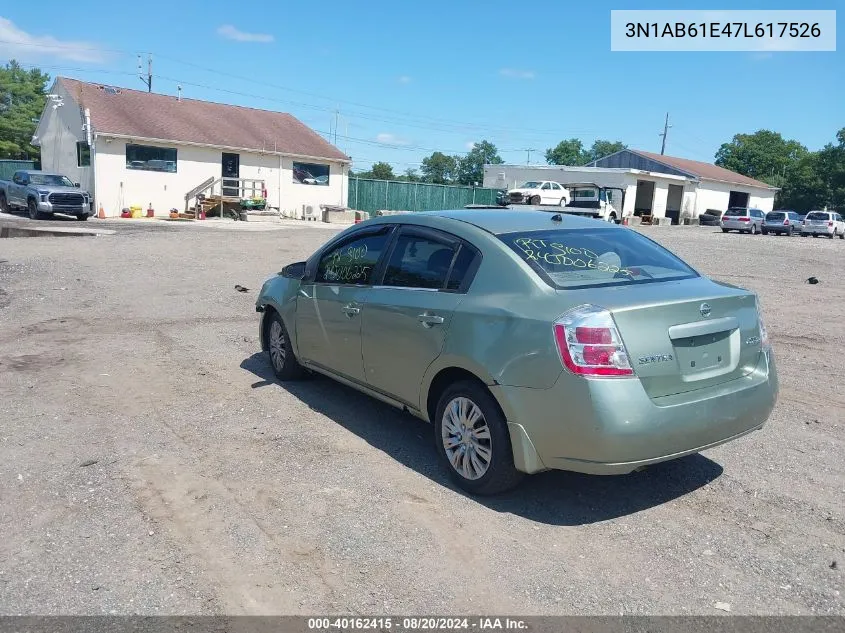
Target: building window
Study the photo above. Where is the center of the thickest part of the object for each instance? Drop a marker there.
(83, 154)
(151, 158)
(310, 174)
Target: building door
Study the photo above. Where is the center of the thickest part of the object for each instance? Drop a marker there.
(673, 203)
(231, 169)
(645, 197)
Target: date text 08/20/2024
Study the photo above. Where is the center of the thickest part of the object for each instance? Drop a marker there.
(401, 624)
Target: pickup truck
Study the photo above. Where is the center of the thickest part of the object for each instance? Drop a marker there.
(595, 201)
(42, 194)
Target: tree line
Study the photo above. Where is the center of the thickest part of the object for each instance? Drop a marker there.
(806, 179)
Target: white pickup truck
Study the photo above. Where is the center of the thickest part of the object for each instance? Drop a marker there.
(595, 201)
(538, 192)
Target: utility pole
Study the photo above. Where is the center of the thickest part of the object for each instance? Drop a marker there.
(336, 115)
(666, 127)
(148, 80)
(528, 157)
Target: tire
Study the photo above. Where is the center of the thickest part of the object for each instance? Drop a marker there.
(725, 230)
(4, 205)
(832, 235)
(766, 232)
(753, 230)
(842, 235)
(32, 208)
(562, 202)
(486, 477)
(284, 363)
(535, 200)
(815, 234)
(83, 217)
(790, 232)
(612, 218)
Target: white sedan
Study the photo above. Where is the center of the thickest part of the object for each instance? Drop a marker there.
(539, 192)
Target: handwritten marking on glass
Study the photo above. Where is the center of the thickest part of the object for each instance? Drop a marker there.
(347, 264)
(557, 254)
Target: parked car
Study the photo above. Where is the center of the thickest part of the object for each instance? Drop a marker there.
(743, 220)
(826, 223)
(539, 192)
(42, 194)
(531, 341)
(782, 223)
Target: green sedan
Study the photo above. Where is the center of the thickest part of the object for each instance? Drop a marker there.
(530, 341)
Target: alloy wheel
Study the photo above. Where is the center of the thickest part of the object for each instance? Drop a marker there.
(278, 345)
(466, 438)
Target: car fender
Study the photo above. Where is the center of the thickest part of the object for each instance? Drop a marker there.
(450, 361)
(279, 293)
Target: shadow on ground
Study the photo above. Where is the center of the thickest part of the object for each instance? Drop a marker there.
(556, 497)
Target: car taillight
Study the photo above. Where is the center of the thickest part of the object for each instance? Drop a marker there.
(589, 343)
(745, 219)
(830, 223)
(786, 222)
(764, 335)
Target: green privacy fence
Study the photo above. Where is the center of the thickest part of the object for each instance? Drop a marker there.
(9, 167)
(391, 195)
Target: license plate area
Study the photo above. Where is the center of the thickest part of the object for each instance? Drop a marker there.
(704, 355)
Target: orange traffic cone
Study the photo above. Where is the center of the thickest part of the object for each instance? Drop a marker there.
(101, 215)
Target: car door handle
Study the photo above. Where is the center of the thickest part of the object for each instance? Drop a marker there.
(430, 319)
(350, 310)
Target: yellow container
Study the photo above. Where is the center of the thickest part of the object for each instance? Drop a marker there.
(135, 212)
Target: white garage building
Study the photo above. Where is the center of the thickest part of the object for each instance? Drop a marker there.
(654, 184)
(133, 148)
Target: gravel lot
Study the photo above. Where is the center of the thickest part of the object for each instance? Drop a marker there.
(213, 489)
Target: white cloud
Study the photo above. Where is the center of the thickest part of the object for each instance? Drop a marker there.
(515, 73)
(391, 139)
(404, 79)
(231, 33)
(15, 42)
(469, 145)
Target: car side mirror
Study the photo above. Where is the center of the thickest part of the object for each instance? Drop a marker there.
(294, 271)
(76, 184)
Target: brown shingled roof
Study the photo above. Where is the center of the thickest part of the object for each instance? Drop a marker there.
(703, 170)
(146, 115)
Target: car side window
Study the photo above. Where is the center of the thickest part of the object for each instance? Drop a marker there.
(419, 262)
(463, 269)
(555, 186)
(546, 186)
(353, 262)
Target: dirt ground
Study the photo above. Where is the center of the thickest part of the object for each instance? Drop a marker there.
(150, 464)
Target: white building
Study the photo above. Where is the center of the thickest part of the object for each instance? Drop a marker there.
(657, 185)
(132, 148)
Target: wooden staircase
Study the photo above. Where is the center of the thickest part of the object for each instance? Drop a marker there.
(209, 196)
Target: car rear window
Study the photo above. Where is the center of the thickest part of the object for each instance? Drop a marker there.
(585, 258)
(736, 212)
(775, 216)
(817, 216)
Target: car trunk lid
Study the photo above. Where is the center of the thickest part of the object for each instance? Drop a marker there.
(686, 335)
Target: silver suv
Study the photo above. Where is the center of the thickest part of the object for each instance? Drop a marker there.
(825, 223)
(782, 223)
(743, 219)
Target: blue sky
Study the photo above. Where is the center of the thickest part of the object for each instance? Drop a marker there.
(409, 78)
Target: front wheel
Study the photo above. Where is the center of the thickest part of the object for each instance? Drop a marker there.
(285, 365)
(4, 204)
(815, 234)
(831, 235)
(82, 217)
(473, 440)
(842, 235)
(32, 208)
(535, 200)
(765, 231)
(563, 202)
(725, 230)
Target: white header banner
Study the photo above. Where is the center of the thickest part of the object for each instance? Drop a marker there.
(757, 31)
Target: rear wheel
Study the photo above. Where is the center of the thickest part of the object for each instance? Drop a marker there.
(831, 235)
(753, 229)
(790, 231)
(765, 231)
(285, 365)
(842, 235)
(473, 440)
(725, 230)
(815, 234)
(4, 205)
(612, 218)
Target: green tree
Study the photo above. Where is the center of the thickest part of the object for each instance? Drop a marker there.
(602, 148)
(21, 100)
(382, 171)
(568, 152)
(761, 155)
(802, 188)
(439, 168)
(410, 175)
(831, 171)
(471, 166)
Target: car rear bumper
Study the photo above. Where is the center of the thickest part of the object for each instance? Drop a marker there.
(737, 226)
(819, 230)
(613, 427)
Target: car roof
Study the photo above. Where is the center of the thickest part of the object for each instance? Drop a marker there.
(510, 220)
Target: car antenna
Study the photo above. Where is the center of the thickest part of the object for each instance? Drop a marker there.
(557, 217)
